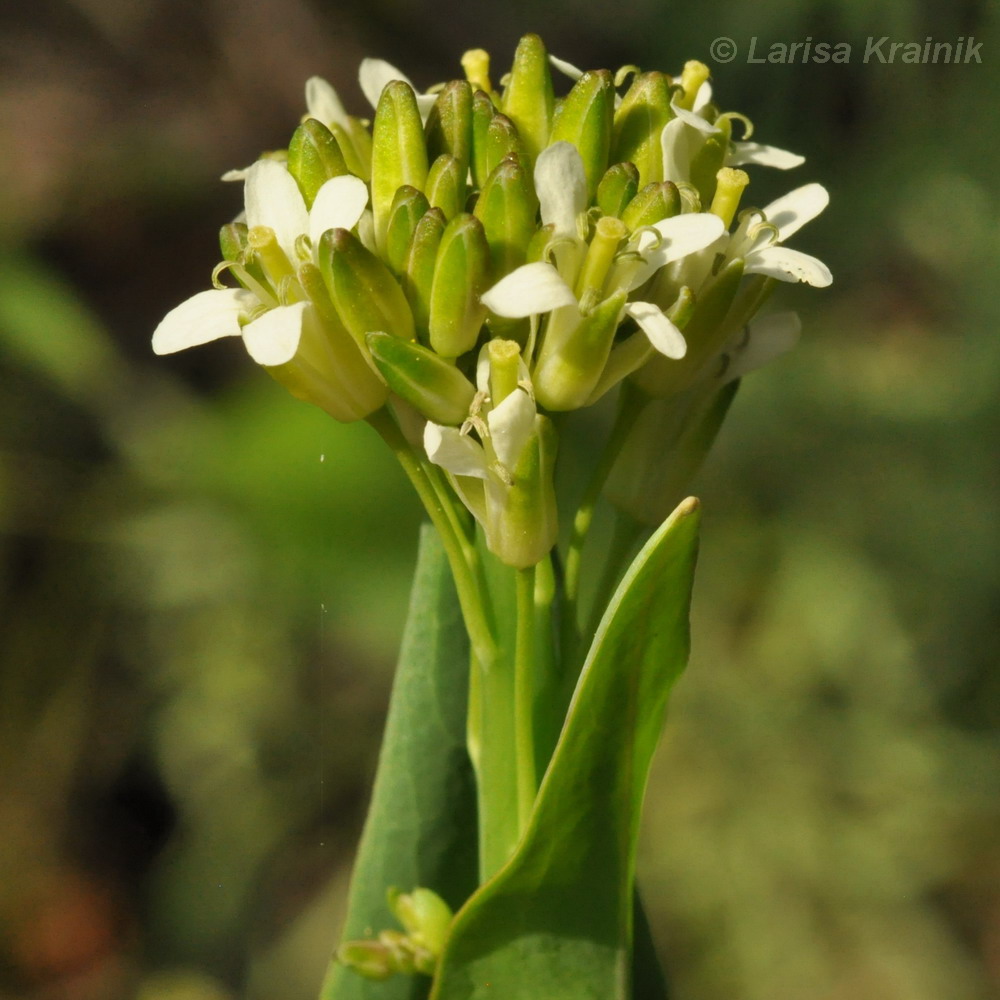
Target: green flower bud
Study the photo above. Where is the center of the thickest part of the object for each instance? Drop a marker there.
(449, 125)
(483, 112)
(617, 189)
(528, 99)
(638, 122)
(705, 333)
(371, 959)
(314, 157)
(585, 118)
(408, 207)
(355, 143)
(461, 275)
(502, 140)
(425, 915)
(570, 364)
(507, 207)
(399, 154)
(445, 186)
(652, 204)
(435, 388)
(364, 291)
(418, 268)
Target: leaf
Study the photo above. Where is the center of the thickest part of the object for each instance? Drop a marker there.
(421, 826)
(556, 920)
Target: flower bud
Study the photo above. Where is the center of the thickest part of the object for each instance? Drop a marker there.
(418, 268)
(638, 123)
(435, 388)
(399, 155)
(445, 186)
(585, 119)
(507, 207)
(371, 959)
(365, 293)
(502, 140)
(425, 915)
(483, 112)
(652, 204)
(314, 157)
(528, 99)
(355, 143)
(408, 207)
(617, 189)
(449, 125)
(461, 275)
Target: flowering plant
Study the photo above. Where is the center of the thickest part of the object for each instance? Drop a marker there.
(469, 274)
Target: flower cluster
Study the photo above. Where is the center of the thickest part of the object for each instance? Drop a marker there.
(483, 257)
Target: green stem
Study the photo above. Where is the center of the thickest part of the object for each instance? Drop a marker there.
(524, 700)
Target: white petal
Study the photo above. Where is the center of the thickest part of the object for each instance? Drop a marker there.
(203, 318)
(511, 424)
(662, 334)
(273, 199)
(567, 69)
(755, 153)
(454, 451)
(692, 119)
(703, 97)
(339, 204)
(678, 144)
(561, 185)
(788, 265)
(684, 234)
(273, 339)
(766, 338)
(235, 175)
(374, 74)
(529, 290)
(424, 104)
(791, 212)
(323, 103)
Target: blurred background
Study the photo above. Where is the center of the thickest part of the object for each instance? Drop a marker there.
(204, 581)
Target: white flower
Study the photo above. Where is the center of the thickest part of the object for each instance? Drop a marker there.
(273, 201)
(373, 76)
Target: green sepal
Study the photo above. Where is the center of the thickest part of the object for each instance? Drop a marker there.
(409, 206)
(507, 208)
(652, 204)
(706, 333)
(435, 388)
(424, 915)
(355, 143)
(483, 112)
(706, 164)
(566, 373)
(449, 125)
(461, 275)
(314, 157)
(639, 121)
(445, 185)
(502, 140)
(233, 242)
(363, 289)
(528, 99)
(418, 268)
(619, 185)
(399, 153)
(585, 118)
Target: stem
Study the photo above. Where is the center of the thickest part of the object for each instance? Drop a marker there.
(524, 684)
(456, 544)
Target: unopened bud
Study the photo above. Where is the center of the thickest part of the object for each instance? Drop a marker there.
(445, 186)
(618, 187)
(355, 143)
(425, 915)
(408, 207)
(461, 275)
(449, 125)
(507, 207)
(483, 112)
(418, 268)
(638, 123)
(314, 157)
(585, 118)
(652, 204)
(370, 959)
(502, 140)
(528, 99)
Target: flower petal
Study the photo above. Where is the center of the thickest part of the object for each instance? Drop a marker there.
(454, 451)
(529, 290)
(684, 234)
(273, 199)
(761, 342)
(703, 97)
(239, 174)
(561, 185)
(323, 103)
(662, 334)
(511, 424)
(755, 153)
(273, 339)
(678, 144)
(788, 265)
(567, 69)
(339, 204)
(791, 212)
(692, 119)
(203, 318)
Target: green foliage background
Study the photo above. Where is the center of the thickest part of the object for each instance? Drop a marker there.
(204, 580)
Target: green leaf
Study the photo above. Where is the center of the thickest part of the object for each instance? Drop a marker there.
(421, 826)
(556, 921)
